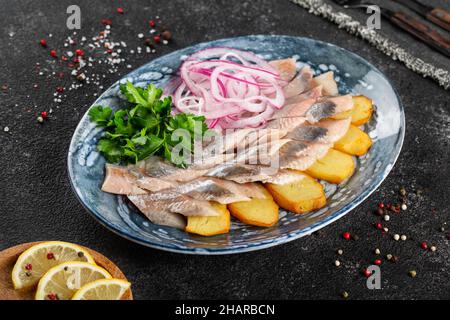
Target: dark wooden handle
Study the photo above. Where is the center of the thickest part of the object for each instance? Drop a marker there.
(440, 17)
(422, 31)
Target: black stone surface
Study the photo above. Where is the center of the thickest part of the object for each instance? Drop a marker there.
(37, 203)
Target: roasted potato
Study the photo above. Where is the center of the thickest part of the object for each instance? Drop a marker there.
(256, 212)
(355, 142)
(329, 86)
(210, 225)
(302, 196)
(335, 167)
(361, 113)
(362, 110)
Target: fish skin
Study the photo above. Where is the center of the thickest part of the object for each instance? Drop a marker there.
(314, 93)
(287, 124)
(306, 157)
(325, 131)
(285, 67)
(173, 202)
(160, 217)
(316, 109)
(300, 83)
(119, 180)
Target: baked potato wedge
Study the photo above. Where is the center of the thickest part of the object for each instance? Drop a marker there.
(362, 110)
(210, 225)
(256, 212)
(301, 196)
(335, 167)
(355, 142)
(361, 113)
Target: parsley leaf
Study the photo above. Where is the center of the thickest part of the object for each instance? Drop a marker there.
(145, 127)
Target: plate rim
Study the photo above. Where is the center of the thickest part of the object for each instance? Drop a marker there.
(282, 239)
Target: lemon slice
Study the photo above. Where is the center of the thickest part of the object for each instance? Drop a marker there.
(37, 260)
(104, 289)
(61, 282)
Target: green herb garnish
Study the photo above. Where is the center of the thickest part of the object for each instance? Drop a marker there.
(146, 127)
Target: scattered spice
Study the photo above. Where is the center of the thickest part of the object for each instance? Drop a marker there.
(380, 211)
(377, 262)
(424, 245)
(80, 254)
(167, 35)
(387, 217)
(28, 267)
(394, 259)
(402, 191)
(404, 207)
(337, 263)
(389, 256)
(366, 273)
(381, 205)
(379, 226)
(157, 39)
(52, 296)
(43, 42)
(340, 252)
(377, 251)
(355, 237)
(28, 274)
(403, 237)
(120, 10)
(346, 235)
(396, 237)
(54, 54)
(433, 248)
(413, 273)
(40, 119)
(152, 23)
(345, 295)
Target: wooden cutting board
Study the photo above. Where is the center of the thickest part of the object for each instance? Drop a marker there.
(9, 257)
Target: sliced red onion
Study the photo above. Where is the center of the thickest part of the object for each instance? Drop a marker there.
(237, 93)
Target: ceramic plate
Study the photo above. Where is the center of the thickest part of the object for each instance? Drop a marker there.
(353, 75)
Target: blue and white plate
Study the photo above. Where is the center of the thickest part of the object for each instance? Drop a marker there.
(353, 75)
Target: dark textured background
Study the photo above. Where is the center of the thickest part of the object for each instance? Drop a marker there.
(37, 202)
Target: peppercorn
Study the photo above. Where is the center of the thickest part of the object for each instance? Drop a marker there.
(79, 52)
(50, 256)
(355, 237)
(346, 235)
(52, 296)
(379, 226)
(157, 39)
(167, 35)
(424, 245)
(80, 254)
(120, 10)
(28, 267)
(43, 42)
(377, 262)
(381, 205)
(152, 23)
(394, 259)
(367, 273)
(53, 53)
(107, 22)
(28, 274)
(380, 212)
(402, 191)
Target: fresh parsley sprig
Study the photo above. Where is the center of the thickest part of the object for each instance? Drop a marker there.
(144, 128)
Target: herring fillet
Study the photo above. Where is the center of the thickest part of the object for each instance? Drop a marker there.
(119, 180)
(161, 217)
(300, 83)
(285, 67)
